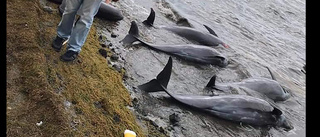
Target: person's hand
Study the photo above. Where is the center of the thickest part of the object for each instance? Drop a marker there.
(108, 1)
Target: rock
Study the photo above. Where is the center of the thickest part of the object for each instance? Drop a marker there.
(103, 45)
(74, 102)
(125, 76)
(97, 104)
(116, 118)
(135, 101)
(103, 53)
(174, 119)
(114, 57)
(67, 104)
(110, 44)
(113, 50)
(117, 67)
(110, 63)
(106, 45)
(78, 111)
(79, 60)
(158, 123)
(48, 9)
(113, 35)
(102, 38)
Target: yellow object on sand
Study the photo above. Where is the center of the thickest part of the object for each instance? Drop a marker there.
(129, 133)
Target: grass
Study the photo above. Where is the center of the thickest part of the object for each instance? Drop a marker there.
(38, 83)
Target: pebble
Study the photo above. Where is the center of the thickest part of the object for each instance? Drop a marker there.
(116, 118)
(97, 104)
(48, 9)
(113, 35)
(102, 38)
(103, 53)
(103, 45)
(117, 67)
(67, 104)
(114, 57)
(174, 119)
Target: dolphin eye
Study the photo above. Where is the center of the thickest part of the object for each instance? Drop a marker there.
(219, 57)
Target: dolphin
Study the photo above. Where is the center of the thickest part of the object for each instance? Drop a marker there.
(269, 87)
(236, 108)
(190, 52)
(208, 39)
(106, 11)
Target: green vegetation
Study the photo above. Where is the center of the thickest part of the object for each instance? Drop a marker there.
(38, 83)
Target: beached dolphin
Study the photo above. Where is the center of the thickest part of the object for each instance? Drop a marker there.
(106, 11)
(190, 52)
(236, 108)
(209, 39)
(269, 87)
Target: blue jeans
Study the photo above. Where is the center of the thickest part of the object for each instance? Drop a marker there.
(77, 34)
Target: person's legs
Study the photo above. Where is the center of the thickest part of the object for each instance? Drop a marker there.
(65, 26)
(81, 29)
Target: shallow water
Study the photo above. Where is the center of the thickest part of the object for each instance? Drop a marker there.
(260, 33)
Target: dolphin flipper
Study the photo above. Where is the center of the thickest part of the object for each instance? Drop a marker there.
(210, 30)
(149, 21)
(161, 81)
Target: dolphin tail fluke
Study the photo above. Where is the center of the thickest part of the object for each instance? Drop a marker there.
(212, 81)
(133, 34)
(151, 86)
(149, 21)
(161, 81)
(210, 30)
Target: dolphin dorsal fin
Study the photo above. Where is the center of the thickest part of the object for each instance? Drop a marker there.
(134, 30)
(210, 30)
(272, 76)
(150, 20)
(212, 81)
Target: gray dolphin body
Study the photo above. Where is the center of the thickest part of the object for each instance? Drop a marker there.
(269, 87)
(209, 39)
(105, 11)
(190, 52)
(237, 108)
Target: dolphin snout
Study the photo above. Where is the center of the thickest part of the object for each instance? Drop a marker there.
(224, 62)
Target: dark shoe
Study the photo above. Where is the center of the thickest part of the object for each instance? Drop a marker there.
(57, 44)
(69, 56)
